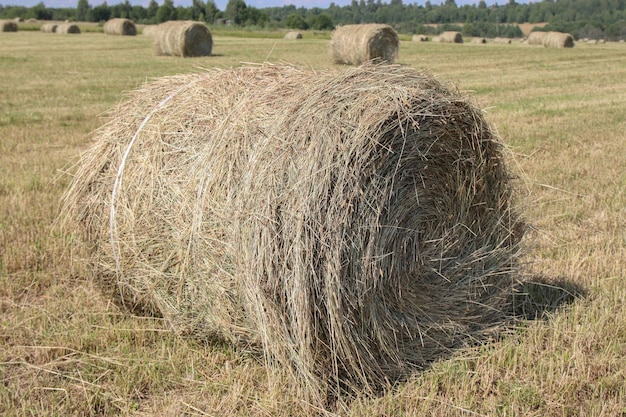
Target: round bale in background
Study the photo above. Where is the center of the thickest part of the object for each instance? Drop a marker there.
(293, 35)
(183, 39)
(68, 28)
(49, 27)
(356, 44)
(8, 26)
(558, 40)
(536, 37)
(451, 37)
(120, 26)
(353, 225)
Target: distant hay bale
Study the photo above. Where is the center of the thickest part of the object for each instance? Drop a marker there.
(356, 44)
(120, 26)
(293, 35)
(420, 38)
(558, 40)
(68, 28)
(149, 30)
(8, 26)
(536, 38)
(451, 37)
(478, 40)
(436, 39)
(183, 38)
(506, 41)
(49, 27)
(351, 225)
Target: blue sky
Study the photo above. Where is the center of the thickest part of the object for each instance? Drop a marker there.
(221, 4)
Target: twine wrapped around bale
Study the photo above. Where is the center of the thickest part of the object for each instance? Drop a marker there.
(352, 225)
(356, 44)
(451, 37)
(8, 26)
(183, 39)
(293, 35)
(536, 37)
(49, 28)
(120, 26)
(558, 40)
(68, 28)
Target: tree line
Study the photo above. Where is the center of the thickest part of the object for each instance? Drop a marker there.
(582, 18)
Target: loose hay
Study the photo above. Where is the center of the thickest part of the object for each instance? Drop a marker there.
(293, 35)
(353, 225)
(49, 28)
(8, 26)
(183, 38)
(356, 44)
(451, 37)
(120, 26)
(67, 28)
(558, 40)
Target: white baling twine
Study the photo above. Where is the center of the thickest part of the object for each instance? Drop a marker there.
(118, 180)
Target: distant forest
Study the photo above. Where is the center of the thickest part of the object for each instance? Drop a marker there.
(597, 19)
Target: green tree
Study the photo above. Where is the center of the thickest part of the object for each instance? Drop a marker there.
(295, 21)
(82, 11)
(166, 12)
(153, 9)
(236, 11)
(211, 11)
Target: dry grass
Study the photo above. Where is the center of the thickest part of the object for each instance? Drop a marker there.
(66, 350)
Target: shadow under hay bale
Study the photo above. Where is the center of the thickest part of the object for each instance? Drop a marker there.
(356, 44)
(120, 26)
(183, 39)
(351, 225)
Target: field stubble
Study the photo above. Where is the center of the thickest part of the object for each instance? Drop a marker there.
(66, 350)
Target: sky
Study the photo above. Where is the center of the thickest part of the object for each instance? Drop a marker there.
(221, 4)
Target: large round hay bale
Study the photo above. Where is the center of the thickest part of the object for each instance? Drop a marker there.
(68, 28)
(120, 26)
(352, 225)
(8, 26)
(293, 35)
(420, 38)
(49, 27)
(451, 37)
(356, 44)
(536, 37)
(478, 40)
(506, 41)
(149, 30)
(558, 40)
(183, 38)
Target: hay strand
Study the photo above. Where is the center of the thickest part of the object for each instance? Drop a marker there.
(183, 39)
(351, 225)
(120, 26)
(356, 44)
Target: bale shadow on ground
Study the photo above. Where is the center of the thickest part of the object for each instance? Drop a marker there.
(538, 296)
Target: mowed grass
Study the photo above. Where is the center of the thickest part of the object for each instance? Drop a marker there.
(67, 351)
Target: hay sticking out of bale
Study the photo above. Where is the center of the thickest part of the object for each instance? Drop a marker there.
(352, 225)
(293, 35)
(68, 28)
(49, 28)
(8, 26)
(451, 37)
(356, 44)
(183, 38)
(120, 26)
(558, 40)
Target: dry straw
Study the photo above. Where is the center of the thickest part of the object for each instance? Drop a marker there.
(451, 37)
(420, 38)
(293, 35)
(149, 30)
(351, 225)
(356, 44)
(120, 26)
(183, 38)
(536, 37)
(8, 26)
(558, 40)
(49, 27)
(67, 28)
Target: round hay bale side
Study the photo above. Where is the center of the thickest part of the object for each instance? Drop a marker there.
(356, 44)
(49, 27)
(120, 26)
(293, 35)
(558, 40)
(420, 38)
(68, 28)
(149, 30)
(352, 225)
(536, 37)
(183, 38)
(8, 26)
(477, 40)
(451, 37)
